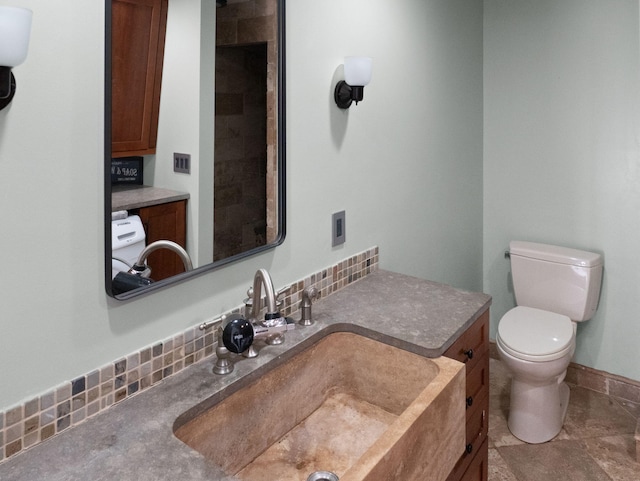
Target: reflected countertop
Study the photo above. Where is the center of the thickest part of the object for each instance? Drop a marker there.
(126, 197)
(133, 440)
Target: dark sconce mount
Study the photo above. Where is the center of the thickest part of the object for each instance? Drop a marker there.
(7, 86)
(15, 30)
(357, 74)
(346, 94)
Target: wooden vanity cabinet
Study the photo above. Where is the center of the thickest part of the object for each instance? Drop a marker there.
(472, 348)
(165, 221)
(137, 53)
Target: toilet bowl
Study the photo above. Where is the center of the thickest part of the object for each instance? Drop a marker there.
(536, 347)
(555, 287)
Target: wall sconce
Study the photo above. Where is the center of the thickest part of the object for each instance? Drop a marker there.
(15, 29)
(357, 74)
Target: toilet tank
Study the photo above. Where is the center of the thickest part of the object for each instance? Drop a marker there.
(127, 243)
(557, 279)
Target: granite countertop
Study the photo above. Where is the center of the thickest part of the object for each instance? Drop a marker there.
(125, 197)
(134, 440)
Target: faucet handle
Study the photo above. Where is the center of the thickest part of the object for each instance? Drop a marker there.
(248, 301)
(207, 324)
(280, 298)
(283, 291)
(237, 335)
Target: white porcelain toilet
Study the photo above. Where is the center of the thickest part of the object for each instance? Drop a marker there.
(555, 287)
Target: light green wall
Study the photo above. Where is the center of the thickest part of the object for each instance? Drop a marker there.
(562, 154)
(406, 164)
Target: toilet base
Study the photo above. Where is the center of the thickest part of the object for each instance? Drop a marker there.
(536, 413)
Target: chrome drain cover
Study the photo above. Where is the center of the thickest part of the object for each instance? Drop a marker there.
(322, 476)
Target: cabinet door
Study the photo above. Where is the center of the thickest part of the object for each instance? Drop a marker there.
(478, 470)
(168, 222)
(137, 51)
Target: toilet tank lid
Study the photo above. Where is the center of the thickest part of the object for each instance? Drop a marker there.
(127, 231)
(551, 253)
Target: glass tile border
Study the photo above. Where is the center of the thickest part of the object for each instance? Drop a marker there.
(73, 402)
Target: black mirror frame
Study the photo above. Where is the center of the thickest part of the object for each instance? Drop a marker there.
(281, 103)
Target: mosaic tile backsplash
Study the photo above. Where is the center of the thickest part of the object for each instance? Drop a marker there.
(74, 401)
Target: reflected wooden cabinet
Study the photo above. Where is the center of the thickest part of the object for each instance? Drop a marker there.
(137, 53)
(165, 221)
(472, 348)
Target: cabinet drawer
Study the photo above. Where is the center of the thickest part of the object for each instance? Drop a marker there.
(477, 386)
(477, 424)
(472, 345)
(478, 469)
(476, 437)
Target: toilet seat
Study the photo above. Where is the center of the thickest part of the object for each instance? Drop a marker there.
(535, 335)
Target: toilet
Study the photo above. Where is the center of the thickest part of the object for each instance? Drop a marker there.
(555, 287)
(127, 243)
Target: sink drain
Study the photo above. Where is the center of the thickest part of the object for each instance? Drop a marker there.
(322, 476)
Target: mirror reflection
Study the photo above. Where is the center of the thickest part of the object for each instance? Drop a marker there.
(194, 171)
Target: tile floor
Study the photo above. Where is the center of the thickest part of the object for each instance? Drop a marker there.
(596, 443)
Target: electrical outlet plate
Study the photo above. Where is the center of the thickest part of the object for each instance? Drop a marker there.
(338, 229)
(182, 163)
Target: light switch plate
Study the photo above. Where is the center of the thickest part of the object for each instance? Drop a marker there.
(338, 229)
(182, 163)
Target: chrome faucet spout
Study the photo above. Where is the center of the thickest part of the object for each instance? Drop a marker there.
(273, 323)
(261, 278)
(142, 269)
(238, 333)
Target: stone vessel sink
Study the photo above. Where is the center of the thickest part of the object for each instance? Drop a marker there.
(354, 406)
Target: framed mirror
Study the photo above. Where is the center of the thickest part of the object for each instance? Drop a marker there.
(194, 162)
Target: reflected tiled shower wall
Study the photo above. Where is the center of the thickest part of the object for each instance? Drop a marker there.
(240, 167)
(246, 156)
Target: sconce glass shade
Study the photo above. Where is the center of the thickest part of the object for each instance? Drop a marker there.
(357, 74)
(15, 30)
(357, 70)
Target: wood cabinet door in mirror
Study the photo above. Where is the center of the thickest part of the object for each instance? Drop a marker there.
(165, 222)
(137, 52)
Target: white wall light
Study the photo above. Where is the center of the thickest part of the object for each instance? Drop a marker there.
(357, 74)
(15, 30)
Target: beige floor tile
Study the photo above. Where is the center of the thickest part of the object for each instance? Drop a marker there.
(637, 438)
(499, 433)
(616, 455)
(553, 461)
(630, 407)
(498, 469)
(499, 379)
(592, 414)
